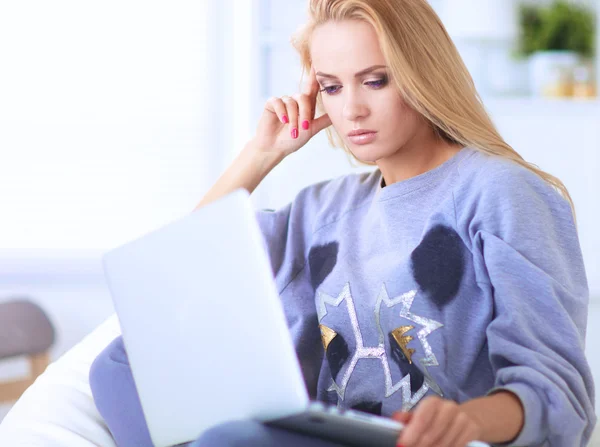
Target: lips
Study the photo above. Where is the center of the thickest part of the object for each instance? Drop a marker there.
(362, 136)
(360, 132)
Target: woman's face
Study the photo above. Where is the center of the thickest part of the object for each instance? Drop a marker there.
(356, 95)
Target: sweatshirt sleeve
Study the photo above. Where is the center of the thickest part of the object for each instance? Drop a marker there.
(288, 231)
(528, 258)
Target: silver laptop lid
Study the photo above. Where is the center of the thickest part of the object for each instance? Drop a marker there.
(203, 324)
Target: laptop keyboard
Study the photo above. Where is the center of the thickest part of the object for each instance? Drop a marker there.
(354, 414)
(360, 415)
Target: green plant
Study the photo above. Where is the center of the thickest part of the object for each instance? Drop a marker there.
(560, 26)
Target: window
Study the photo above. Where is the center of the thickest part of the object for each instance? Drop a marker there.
(114, 116)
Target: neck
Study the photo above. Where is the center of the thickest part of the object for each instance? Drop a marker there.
(417, 157)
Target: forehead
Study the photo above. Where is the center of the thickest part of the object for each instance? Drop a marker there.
(344, 48)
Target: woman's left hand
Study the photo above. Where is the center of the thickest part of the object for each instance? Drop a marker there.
(437, 422)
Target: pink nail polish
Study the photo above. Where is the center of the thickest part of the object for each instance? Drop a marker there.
(294, 133)
(305, 124)
(285, 119)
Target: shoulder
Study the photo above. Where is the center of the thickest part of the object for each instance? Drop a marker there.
(327, 200)
(323, 202)
(490, 181)
(495, 193)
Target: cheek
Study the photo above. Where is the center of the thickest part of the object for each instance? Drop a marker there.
(397, 107)
(335, 110)
(330, 106)
(402, 116)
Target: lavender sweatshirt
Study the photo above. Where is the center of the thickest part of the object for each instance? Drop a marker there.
(459, 282)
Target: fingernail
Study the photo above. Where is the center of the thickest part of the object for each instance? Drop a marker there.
(294, 133)
(285, 119)
(305, 124)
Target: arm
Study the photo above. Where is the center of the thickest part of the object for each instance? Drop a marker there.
(499, 416)
(528, 262)
(249, 168)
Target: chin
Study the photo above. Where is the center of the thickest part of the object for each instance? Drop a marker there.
(368, 153)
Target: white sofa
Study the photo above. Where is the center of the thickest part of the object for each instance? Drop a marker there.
(58, 409)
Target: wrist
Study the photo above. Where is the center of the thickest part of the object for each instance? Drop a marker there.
(500, 416)
(262, 160)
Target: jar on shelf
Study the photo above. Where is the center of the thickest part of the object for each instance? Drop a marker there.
(558, 82)
(584, 83)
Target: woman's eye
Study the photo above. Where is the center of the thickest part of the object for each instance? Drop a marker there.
(333, 89)
(330, 90)
(378, 83)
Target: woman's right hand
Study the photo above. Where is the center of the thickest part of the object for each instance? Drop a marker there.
(274, 140)
(288, 123)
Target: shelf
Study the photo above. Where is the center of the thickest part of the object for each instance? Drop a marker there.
(524, 106)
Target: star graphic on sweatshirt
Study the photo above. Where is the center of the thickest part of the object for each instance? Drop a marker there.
(378, 352)
(428, 326)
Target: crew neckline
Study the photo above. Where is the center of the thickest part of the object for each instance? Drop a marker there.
(419, 181)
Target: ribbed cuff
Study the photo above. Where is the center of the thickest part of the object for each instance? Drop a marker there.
(532, 432)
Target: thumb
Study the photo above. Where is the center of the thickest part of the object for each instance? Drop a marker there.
(402, 416)
(321, 123)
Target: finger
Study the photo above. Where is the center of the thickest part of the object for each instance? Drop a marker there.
(461, 432)
(456, 434)
(445, 419)
(276, 106)
(320, 123)
(292, 109)
(304, 108)
(463, 439)
(402, 416)
(311, 88)
(422, 419)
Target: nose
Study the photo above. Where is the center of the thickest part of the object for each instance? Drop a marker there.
(355, 108)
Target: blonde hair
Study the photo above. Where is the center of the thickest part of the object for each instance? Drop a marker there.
(427, 69)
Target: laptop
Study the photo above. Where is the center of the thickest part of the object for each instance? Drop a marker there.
(206, 334)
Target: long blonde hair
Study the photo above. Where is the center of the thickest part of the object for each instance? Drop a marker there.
(427, 69)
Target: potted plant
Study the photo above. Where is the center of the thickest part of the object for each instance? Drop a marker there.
(555, 38)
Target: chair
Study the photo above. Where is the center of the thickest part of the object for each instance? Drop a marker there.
(25, 330)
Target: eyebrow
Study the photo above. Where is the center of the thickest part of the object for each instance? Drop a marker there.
(357, 75)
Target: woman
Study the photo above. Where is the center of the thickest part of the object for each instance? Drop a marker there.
(447, 288)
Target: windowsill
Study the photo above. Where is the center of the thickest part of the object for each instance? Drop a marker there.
(49, 266)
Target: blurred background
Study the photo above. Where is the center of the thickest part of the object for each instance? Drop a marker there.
(117, 116)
